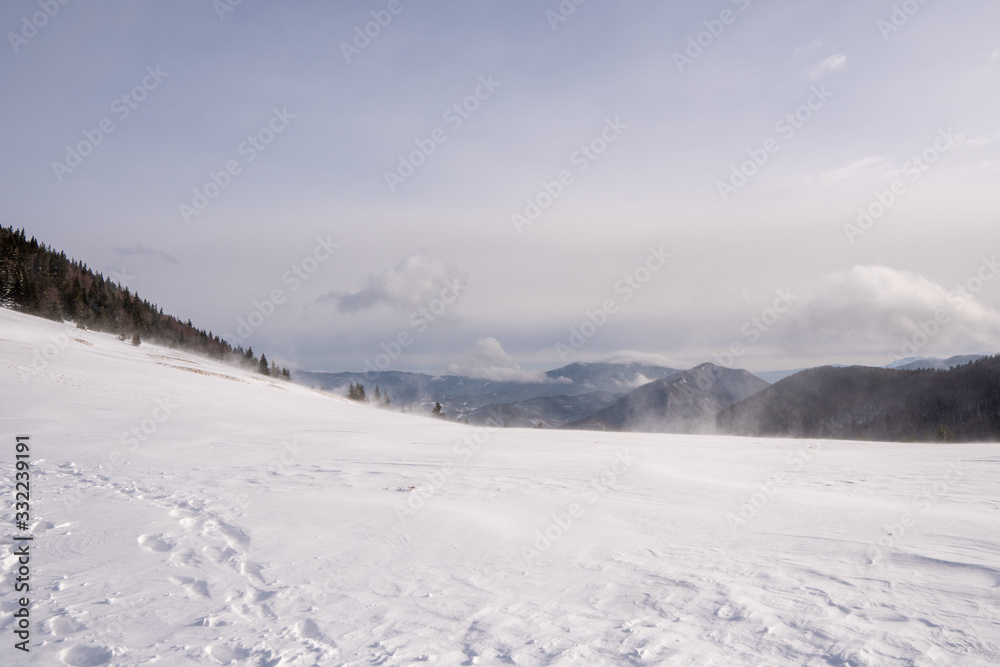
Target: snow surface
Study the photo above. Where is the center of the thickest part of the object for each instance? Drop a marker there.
(264, 523)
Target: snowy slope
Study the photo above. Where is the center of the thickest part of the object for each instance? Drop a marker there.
(263, 523)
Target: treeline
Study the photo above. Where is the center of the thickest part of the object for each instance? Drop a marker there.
(356, 392)
(37, 280)
(860, 403)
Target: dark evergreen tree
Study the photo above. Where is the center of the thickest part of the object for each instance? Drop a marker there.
(356, 392)
(437, 411)
(37, 280)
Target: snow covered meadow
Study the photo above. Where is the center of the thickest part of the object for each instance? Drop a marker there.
(186, 512)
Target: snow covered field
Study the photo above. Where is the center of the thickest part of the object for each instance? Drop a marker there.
(189, 513)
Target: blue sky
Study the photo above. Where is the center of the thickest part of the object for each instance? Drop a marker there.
(599, 99)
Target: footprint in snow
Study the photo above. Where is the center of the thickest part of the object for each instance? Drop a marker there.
(229, 654)
(233, 534)
(218, 555)
(380, 653)
(209, 622)
(86, 656)
(63, 626)
(192, 585)
(191, 522)
(155, 543)
(308, 630)
(182, 557)
(726, 611)
(251, 569)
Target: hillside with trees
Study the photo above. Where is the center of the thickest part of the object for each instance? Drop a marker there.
(37, 280)
(862, 403)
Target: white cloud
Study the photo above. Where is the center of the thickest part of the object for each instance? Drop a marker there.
(413, 282)
(984, 140)
(876, 308)
(848, 172)
(647, 358)
(812, 47)
(986, 165)
(834, 63)
(487, 360)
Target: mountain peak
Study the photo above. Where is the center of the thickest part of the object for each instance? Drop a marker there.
(684, 402)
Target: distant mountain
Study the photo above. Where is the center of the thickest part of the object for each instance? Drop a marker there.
(875, 404)
(461, 396)
(777, 376)
(550, 411)
(618, 378)
(686, 402)
(903, 362)
(936, 364)
(771, 377)
(907, 364)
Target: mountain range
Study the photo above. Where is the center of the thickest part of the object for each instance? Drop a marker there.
(863, 403)
(685, 402)
(559, 396)
(918, 399)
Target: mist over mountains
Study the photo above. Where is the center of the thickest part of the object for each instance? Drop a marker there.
(686, 402)
(862, 403)
(922, 399)
(571, 392)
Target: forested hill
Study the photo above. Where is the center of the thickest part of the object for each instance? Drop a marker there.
(38, 280)
(861, 403)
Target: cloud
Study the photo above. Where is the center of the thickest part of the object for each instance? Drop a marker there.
(487, 360)
(848, 172)
(414, 282)
(876, 309)
(984, 139)
(143, 251)
(834, 63)
(812, 47)
(647, 358)
(986, 165)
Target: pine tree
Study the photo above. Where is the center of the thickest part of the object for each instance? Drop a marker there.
(38, 280)
(437, 411)
(378, 395)
(262, 368)
(385, 398)
(356, 392)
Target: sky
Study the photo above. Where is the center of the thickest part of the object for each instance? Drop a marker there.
(496, 188)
